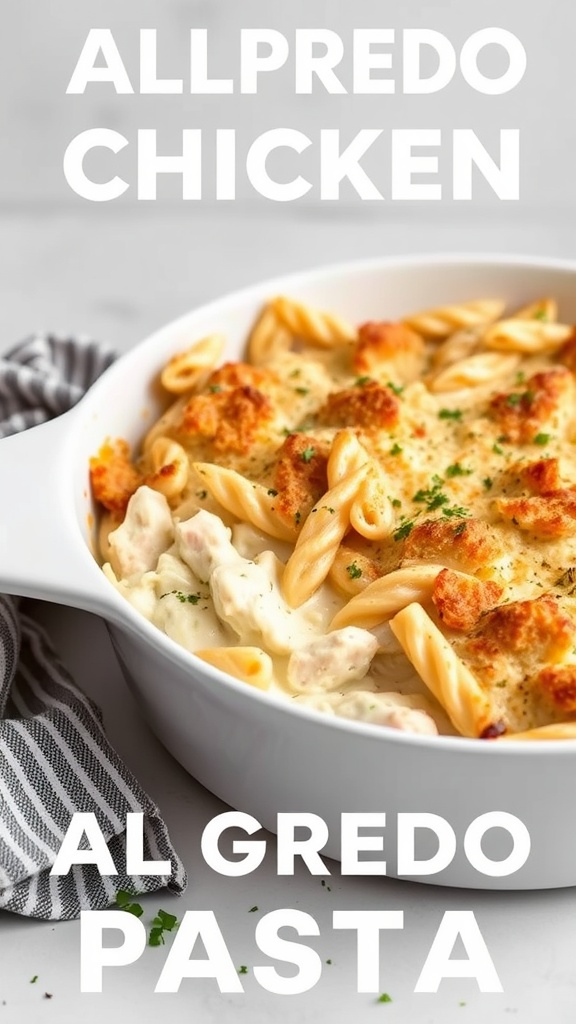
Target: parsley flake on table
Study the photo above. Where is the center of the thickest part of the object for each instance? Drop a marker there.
(384, 998)
(34, 979)
(163, 922)
(243, 969)
(253, 910)
(124, 902)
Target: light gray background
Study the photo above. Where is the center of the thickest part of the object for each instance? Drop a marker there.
(118, 270)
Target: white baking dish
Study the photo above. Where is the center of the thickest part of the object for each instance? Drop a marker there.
(259, 754)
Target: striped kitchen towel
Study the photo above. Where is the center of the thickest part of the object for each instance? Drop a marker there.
(55, 759)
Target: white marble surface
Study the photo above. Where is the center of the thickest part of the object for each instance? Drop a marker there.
(118, 276)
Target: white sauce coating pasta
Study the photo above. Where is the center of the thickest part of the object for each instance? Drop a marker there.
(284, 510)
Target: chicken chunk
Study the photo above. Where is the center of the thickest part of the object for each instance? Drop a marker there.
(146, 532)
(204, 543)
(329, 662)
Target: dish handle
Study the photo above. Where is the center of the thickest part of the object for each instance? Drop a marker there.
(42, 551)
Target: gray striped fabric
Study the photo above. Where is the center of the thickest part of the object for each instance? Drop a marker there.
(54, 756)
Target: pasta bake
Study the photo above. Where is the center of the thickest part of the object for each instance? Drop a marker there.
(377, 522)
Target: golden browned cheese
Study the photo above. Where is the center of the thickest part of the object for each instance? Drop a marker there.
(522, 414)
(378, 342)
(370, 406)
(549, 516)
(509, 650)
(300, 474)
(541, 477)
(230, 420)
(113, 476)
(461, 600)
(467, 544)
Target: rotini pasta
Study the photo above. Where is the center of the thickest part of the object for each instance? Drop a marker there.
(448, 678)
(440, 323)
(316, 547)
(251, 502)
(249, 664)
(269, 337)
(527, 336)
(312, 325)
(185, 369)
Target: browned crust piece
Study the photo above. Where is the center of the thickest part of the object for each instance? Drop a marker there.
(461, 600)
(230, 420)
(113, 476)
(369, 406)
(379, 341)
(467, 544)
(522, 413)
(300, 474)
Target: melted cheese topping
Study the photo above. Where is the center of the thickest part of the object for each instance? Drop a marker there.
(479, 460)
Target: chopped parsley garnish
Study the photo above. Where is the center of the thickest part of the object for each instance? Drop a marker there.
(396, 388)
(396, 449)
(527, 397)
(456, 512)
(457, 470)
(432, 497)
(497, 449)
(361, 381)
(540, 314)
(308, 454)
(520, 377)
(124, 902)
(488, 481)
(243, 969)
(403, 531)
(272, 492)
(288, 431)
(396, 503)
(184, 598)
(450, 414)
(354, 571)
(329, 509)
(295, 373)
(514, 399)
(384, 998)
(459, 529)
(542, 439)
(302, 391)
(215, 388)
